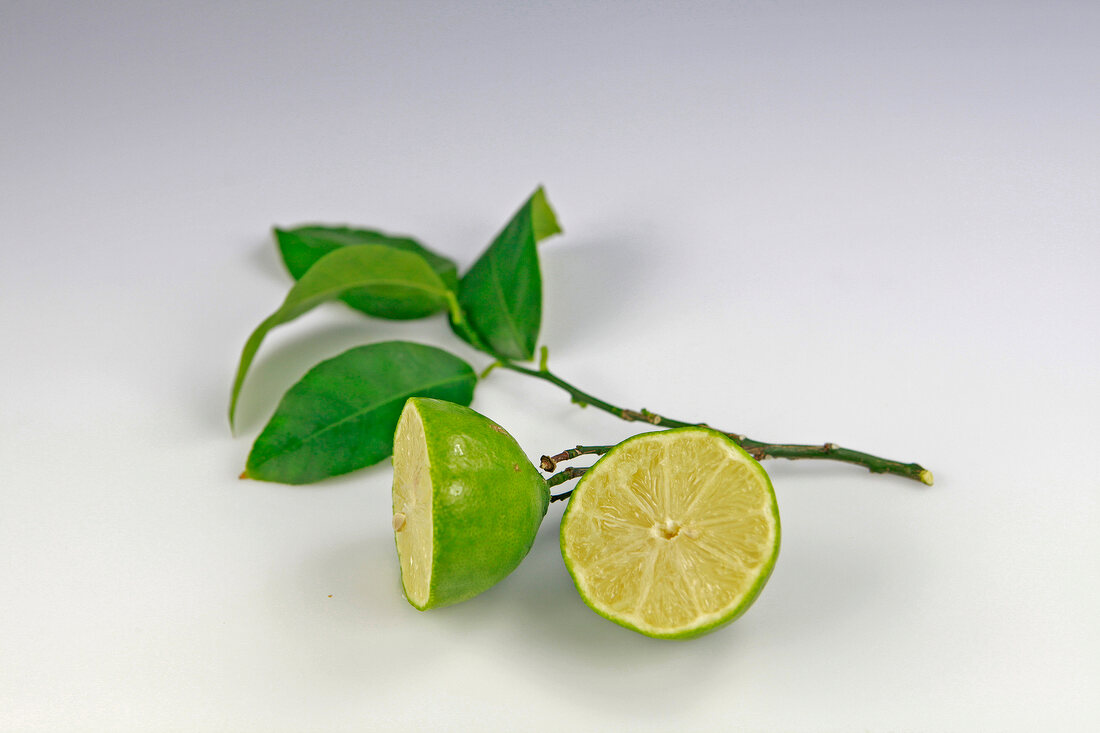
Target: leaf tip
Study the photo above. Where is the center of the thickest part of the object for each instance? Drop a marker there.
(544, 219)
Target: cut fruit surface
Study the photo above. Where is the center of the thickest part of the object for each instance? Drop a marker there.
(673, 533)
(467, 503)
(412, 501)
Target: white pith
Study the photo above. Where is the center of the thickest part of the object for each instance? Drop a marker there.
(671, 532)
(412, 500)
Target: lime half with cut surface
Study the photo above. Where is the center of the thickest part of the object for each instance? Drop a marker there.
(467, 503)
(673, 533)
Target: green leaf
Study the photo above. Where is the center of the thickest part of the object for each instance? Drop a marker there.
(341, 416)
(400, 273)
(501, 295)
(303, 246)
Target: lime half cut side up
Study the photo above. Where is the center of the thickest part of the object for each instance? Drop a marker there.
(673, 533)
(467, 503)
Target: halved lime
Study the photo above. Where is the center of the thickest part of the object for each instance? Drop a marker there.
(466, 502)
(673, 533)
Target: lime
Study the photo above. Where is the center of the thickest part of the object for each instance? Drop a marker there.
(672, 534)
(466, 502)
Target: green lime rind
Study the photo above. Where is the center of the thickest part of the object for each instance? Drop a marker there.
(724, 618)
(488, 501)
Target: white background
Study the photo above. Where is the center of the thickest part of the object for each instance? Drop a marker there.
(869, 223)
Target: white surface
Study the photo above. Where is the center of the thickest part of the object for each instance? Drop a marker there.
(871, 225)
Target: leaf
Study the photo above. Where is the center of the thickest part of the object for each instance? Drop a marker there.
(303, 246)
(502, 292)
(394, 271)
(341, 416)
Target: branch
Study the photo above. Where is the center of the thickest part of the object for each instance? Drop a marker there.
(561, 477)
(549, 463)
(759, 450)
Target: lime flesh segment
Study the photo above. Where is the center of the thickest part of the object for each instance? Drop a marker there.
(412, 500)
(673, 533)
